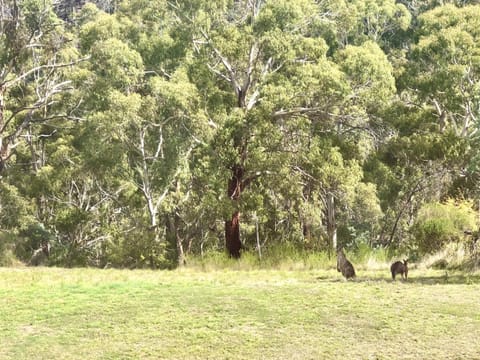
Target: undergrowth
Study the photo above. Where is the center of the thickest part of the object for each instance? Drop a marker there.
(452, 257)
(290, 258)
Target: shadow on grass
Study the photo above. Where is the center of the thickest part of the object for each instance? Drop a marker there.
(455, 279)
(445, 279)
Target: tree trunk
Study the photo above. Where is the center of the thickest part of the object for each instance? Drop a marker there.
(172, 221)
(331, 224)
(179, 241)
(232, 236)
(180, 253)
(259, 247)
(232, 227)
(3, 142)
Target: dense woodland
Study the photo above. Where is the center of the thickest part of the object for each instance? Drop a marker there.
(138, 133)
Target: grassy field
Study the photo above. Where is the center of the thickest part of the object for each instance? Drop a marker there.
(49, 313)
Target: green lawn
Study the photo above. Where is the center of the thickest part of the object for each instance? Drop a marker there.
(48, 313)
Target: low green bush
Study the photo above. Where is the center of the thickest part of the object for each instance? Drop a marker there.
(7, 256)
(438, 224)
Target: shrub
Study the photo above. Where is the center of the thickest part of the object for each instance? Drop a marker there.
(7, 257)
(438, 224)
(31, 239)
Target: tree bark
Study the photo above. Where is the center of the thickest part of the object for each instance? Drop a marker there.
(331, 224)
(173, 236)
(259, 247)
(180, 252)
(3, 143)
(178, 240)
(232, 236)
(232, 226)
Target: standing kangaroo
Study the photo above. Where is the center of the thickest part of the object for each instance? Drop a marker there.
(40, 255)
(344, 266)
(400, 268)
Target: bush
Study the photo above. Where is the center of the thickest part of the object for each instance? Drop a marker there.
(31, 239)
(7, 257)
(438, 224)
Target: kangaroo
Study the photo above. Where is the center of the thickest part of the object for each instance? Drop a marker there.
(344, 266)
(400, 268)
(40, 255)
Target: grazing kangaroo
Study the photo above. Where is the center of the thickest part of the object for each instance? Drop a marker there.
(400, 268)
(344, 266)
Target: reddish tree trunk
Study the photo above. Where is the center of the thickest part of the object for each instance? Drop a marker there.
(232, 236)
(232, 227)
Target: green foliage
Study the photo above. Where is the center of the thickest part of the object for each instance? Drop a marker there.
(99, 27)
(366, 208)
(372, 103)
(364, 218)
(354, 22)
(135, 250)
(15, 211)
(446, 62)
(30, 240)
(7, 247)
(284, 16)
(440, 223)
(117, 64)
(369, 72)
(37, 14)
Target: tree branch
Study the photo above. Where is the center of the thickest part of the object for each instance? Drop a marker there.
(16, 80)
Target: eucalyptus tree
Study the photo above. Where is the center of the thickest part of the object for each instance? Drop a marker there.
(35, 57)
(438, 119)
(244, 54)
(272, 93)
(145, 115)
(446, 66)
(433, 122)
(448, 52)
(354, 22)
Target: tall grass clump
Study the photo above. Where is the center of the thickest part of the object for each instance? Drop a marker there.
(453, 256)
(363, 253)
(218, 260)
(7, 254)
(279, 257)
(290, 257)
(372, 258)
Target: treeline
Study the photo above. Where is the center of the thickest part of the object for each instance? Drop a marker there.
(135, 133)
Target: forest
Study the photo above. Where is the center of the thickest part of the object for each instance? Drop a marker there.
(140, 133)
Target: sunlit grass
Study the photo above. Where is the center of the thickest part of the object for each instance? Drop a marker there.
(49, 313)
